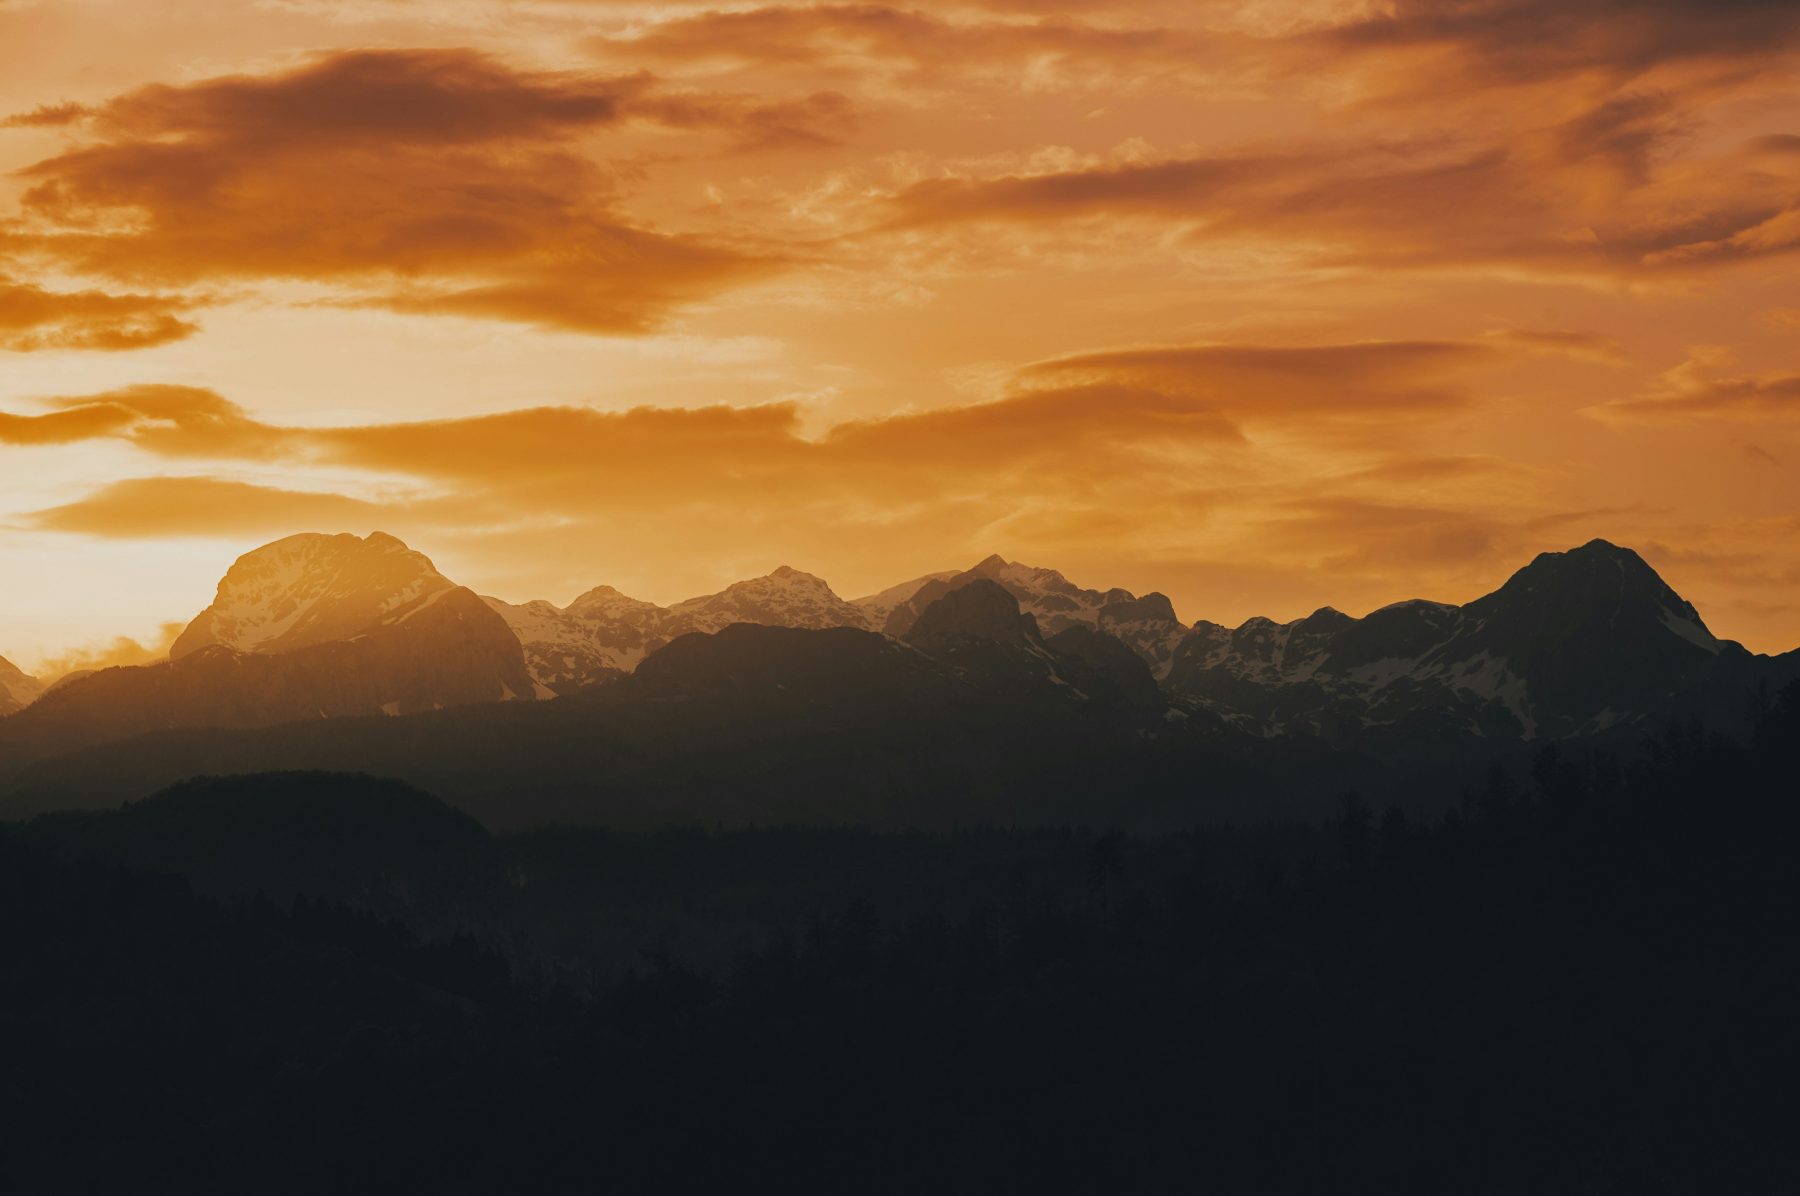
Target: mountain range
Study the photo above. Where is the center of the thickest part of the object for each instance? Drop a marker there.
(1588, 643)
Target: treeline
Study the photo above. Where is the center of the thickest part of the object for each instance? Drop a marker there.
(1577, 980)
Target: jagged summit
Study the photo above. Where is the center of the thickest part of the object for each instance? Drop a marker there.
(604, 633)
(1574, 642)
(1148, 625)
(980, 630)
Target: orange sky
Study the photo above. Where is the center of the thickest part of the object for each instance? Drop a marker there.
(1267, 305)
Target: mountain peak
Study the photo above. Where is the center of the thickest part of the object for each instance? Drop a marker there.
(18, 689)
(788, 597)
(607, 599)
(991, 566)
(311, 588)
(1595, 570)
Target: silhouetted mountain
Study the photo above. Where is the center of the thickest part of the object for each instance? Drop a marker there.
(974, 710)
(604, 633)
(978, 629)
(449, 651)
(1105, 668)
(751, 723)
(373, 844)
(1574, 643)
(18, 689)
(1147, 625)
(877, 607)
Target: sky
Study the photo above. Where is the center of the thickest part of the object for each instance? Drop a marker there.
(1267, 305)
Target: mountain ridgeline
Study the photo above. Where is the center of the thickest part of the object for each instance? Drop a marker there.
(1000, 689)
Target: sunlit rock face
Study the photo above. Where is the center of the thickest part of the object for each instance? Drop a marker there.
(314, 589)
(309, 627)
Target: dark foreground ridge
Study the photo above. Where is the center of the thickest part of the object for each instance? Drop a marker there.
(1570, 982)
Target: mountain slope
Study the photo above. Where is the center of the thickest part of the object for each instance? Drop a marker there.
(374, 844)
(598, 637)
(1574, 643)
(604, 633)
(1148, 624)
(452, 652)
(877, 607)
(785, 598)
(751, 723)
(311, 626)
(18, 689)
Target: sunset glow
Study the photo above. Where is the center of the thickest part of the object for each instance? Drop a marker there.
(1262, 305)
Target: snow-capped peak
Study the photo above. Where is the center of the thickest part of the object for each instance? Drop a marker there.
(314, 588)
(786, 597)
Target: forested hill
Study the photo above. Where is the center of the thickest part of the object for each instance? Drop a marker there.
(1573, 982)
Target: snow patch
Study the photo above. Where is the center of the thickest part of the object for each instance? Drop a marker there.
(1690, 631)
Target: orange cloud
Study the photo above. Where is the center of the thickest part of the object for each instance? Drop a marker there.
(1489, 43)
(1531, 204)
(32, 319)
(46, 116)
(861, 40)
(1142, 447)
(199, 507)
(182, 420)
(1693, 392)
(86, 422)
(429, 180)
(1376, 379)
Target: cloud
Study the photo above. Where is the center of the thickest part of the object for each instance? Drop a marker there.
(1583, 198)
(47, 116)
(423, 180)
(120, 652)
(1525, 40)
(1376, 379)
(1076, 404)
(1694, 392)
(1154, 453)
(174, 420)
(34, 319)
(87, 422)
(185, 506)
(915, 47)
(1578, 346)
